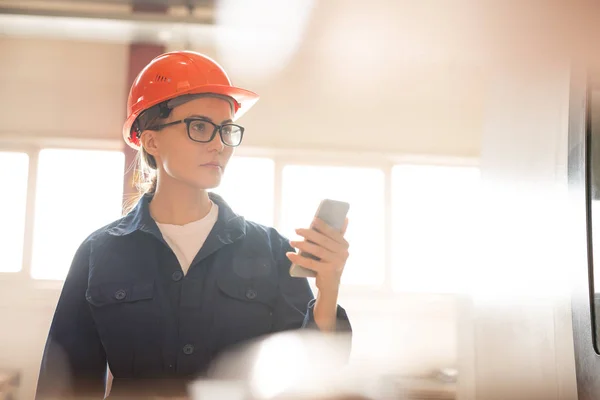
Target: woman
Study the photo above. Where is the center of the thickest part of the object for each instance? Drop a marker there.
(159, 293)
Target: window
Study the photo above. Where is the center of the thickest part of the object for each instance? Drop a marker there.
(248, 187)
(303, 187)
(430, 216)
(77, 192)
(433, 211)
(14, 170)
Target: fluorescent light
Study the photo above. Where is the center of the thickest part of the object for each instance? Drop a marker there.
(105, 29)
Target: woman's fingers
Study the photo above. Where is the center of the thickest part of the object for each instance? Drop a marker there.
(330, 232)
(305, 262)
(322, 240)
(314, 249)
(344, 227)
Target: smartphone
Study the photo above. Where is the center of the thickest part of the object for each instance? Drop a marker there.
(333, 213)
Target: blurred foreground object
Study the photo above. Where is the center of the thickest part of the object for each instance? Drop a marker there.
(9, 384)
(289, 365)
(310, 365)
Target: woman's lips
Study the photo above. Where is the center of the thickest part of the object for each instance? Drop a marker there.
(212, 165)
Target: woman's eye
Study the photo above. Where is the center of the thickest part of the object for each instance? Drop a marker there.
(199, 126)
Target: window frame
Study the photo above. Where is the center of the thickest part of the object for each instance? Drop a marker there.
(32, 146)
(281, 158)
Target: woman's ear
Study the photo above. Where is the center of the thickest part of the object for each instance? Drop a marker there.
(150, 142)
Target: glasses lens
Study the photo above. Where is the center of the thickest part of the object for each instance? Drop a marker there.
(201, 131)
(231, 134)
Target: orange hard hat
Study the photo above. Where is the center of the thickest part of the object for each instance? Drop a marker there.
(175, 74)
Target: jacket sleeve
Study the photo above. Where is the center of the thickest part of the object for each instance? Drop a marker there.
(296, 304)
(74, 362)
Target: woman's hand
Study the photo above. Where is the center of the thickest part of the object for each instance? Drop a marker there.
(330, 246)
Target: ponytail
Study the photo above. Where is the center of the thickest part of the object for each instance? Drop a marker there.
(145, 176)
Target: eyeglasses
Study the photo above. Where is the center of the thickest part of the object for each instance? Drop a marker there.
(204, 131)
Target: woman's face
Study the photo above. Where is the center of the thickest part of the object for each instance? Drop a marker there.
(199, 165)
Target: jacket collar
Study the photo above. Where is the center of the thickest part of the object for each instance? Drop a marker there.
(228, 228)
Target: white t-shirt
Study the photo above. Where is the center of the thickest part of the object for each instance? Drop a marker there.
(186, 240)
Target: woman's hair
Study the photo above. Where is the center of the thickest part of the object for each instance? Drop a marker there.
(144, 174)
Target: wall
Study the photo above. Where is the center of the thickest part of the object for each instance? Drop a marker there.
(64, 89)
(518, 319)
(356, 82)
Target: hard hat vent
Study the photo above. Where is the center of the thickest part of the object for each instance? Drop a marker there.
(162, 78)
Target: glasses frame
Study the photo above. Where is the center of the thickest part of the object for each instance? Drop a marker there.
(217, 128)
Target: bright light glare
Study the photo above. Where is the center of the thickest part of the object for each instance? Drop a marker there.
(78, 192)
(216, 390)
(247, 186)
(305, 186)
(433, 214)
(281, 362)
(254, 43)
(521, 222)
(14, 170)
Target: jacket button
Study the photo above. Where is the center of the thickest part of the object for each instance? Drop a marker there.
(177, 275)
(120, 294)
(250, 294)
(188, 349)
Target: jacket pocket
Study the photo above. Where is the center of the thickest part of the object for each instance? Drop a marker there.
(128, 322)
(117, 293)
(249, 291)
(243, 308)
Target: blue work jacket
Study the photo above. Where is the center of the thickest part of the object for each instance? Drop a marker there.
(127, 304)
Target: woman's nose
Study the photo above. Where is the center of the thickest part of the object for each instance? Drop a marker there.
(216, 143)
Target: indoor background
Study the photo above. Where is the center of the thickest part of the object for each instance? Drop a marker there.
(383, 104)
